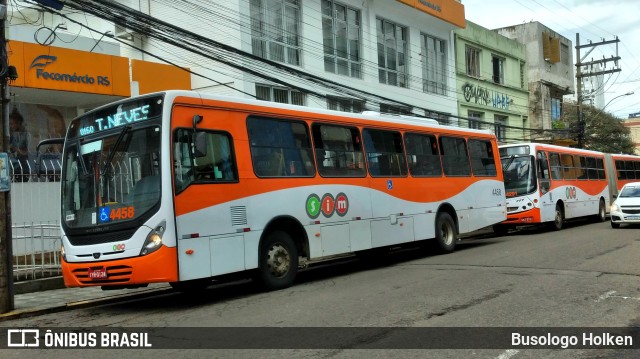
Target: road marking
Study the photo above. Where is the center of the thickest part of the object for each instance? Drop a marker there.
(508, 354)
(605, 296)
(610, 294)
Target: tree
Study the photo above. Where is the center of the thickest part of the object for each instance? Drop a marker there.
(602, 131)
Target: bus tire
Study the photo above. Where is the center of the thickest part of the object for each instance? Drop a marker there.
(602, 212)
(558, 220)
(277, 261)
(446, 233)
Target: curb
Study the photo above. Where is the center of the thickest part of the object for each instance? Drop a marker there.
(32, 312)
(38, 285)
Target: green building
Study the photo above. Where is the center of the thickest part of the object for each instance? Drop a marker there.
(492, 85)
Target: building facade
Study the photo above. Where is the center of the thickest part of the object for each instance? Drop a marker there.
(550, 72)
(633, 124)
(395, 56)
(492, 83)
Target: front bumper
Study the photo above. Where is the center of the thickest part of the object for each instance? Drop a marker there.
(621, 217)
(530, 216)
(160, 266)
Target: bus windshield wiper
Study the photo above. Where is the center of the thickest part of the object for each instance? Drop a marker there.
(85, 172)
(107, 164)
(506, 165)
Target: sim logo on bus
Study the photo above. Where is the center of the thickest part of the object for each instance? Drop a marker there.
(571, 193)
(327, 205)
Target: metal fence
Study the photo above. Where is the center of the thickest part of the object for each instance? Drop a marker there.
(35, 213)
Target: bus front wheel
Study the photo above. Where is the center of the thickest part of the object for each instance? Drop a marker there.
(602, 213)
(277, 262)
(446, 233)
(558, 220)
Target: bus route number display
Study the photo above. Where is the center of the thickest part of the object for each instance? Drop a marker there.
(108, 214)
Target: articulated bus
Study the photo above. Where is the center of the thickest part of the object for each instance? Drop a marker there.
(548, 184)
(183, 187)
(623, 169)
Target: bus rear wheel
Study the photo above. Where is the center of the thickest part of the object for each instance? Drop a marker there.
(446, 233)
(277, 261)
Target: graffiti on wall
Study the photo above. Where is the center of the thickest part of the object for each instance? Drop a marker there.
(486, 97)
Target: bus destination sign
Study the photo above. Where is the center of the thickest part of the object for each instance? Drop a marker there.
(120, 115)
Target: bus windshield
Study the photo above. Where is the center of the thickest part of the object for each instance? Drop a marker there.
(519, 175)
(111, 179)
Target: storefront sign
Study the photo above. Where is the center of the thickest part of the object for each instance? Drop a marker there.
(40, 63)
(56, 68)
(451, 11)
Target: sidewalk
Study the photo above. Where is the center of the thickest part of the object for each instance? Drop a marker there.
(44, 300)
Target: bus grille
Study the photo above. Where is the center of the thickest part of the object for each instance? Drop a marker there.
(85, 240)
(115, 274)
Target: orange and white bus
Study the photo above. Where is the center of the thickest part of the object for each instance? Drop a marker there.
(623, 169)
(182, 187)
(548, 184)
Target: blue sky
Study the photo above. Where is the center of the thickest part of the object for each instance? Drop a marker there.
(594, 20)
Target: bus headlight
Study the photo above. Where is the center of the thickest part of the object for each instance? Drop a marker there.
(154, 240)
(63, 254)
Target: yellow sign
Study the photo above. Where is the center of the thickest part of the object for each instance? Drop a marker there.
(56, 68)
(451, 11)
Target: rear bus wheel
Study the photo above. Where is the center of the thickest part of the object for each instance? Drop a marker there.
(446, 233)
(277, 261)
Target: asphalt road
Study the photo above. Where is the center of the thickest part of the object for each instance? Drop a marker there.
(583, 276)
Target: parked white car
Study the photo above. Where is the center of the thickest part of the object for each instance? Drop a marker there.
(626, 208)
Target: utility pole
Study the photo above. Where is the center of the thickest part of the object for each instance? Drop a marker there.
(6, 252)
(580, 75)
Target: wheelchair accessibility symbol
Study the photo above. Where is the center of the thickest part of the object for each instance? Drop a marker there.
(104, 214)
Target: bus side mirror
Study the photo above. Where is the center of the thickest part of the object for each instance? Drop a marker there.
(196, 120)
(200, 141)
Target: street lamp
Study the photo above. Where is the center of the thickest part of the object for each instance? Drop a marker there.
(610, 101)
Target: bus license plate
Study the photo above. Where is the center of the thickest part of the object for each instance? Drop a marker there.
(97, 273)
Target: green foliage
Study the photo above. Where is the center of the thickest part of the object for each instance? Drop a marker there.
(603, 131)
(558, 125)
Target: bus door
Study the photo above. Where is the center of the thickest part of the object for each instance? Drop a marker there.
(547, 204)
(205, 179)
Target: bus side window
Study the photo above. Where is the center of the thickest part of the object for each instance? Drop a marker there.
(280, 148)
(212, 157)
(543, 172)
(482, 160)
(385, 153)
(455, 159)
(556, 168)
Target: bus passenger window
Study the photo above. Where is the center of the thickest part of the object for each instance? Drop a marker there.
(423, 155)
(385, 153)
(338, 151)
(482, 159)
(280, 148)
(455, 160)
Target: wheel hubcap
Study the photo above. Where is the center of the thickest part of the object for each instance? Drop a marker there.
(447, 233)
(278, 260)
